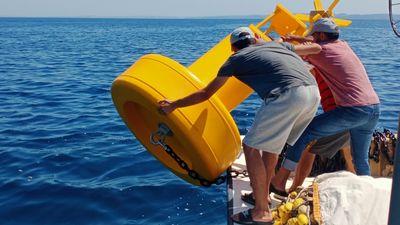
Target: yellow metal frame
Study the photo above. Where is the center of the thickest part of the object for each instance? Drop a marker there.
(319, 12)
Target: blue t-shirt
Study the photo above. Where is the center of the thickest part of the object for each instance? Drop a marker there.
(269, 68)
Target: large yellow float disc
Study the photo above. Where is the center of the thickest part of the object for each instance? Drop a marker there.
(203, 136)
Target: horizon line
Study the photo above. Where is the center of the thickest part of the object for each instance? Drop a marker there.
(182, 17)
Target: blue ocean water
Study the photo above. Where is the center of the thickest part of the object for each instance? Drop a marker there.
(67, 157)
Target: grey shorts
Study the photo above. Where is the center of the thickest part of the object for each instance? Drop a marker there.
(328, 146)
(283, 119)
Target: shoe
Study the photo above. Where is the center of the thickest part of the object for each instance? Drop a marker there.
(281, 195)
(248, 198)
(246, 218)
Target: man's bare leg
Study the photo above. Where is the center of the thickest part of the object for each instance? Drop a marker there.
(279, 181)
(270, 160)
(267, 164)
(303, 169)
(258, 178)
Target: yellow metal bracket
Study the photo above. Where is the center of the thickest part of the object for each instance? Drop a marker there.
(319, 12)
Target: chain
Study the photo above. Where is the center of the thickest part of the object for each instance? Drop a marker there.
(376, 151)
(235, 173)
(164, 130)
(391, 136)
(379, 137)
(193, 174)
(386, 152)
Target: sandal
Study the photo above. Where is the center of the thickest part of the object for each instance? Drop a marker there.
(248, 198)
(281, 195)
(246, 218)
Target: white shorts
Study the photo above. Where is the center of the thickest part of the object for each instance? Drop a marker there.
(283, 119)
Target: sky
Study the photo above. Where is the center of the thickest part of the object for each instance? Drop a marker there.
(177, 8)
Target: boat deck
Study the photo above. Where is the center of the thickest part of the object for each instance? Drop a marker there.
(240, 185)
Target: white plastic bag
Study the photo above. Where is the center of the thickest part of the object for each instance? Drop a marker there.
(348, 199)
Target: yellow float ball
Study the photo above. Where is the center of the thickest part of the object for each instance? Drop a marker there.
(293, 195)
(302, 219)
(285, 217)
(292, 221)
(288, 207)
(297, 202)
(281, 210)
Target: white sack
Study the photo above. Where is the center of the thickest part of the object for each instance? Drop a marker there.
(348, 199)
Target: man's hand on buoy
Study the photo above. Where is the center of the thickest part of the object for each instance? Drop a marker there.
(166, 107)
(289, 37)
(292, 37)
(258, 38)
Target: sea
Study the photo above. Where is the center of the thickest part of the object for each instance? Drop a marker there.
(66, 156)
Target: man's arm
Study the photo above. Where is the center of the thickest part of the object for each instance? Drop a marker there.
(199, 96)
(307, 49)
(292, 37)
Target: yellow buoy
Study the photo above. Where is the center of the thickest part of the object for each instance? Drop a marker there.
(292, 221)
(302, 219)
(293, 195)
(204, 138)
(297, 202)
(197, 143)
(288, 207)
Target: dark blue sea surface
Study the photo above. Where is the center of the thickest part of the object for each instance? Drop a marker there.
(67, 157)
